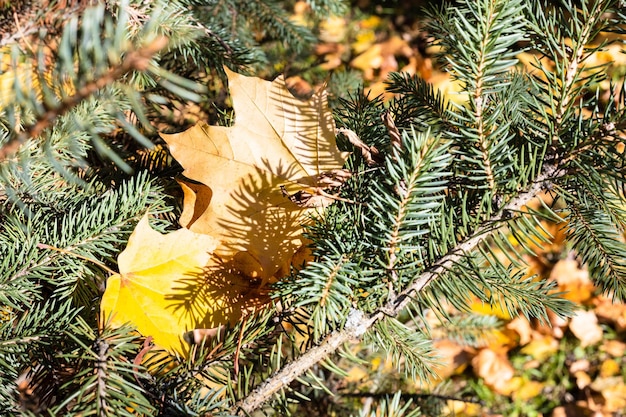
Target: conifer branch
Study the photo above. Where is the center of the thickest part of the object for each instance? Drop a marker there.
(135, 60)
(71, 253)
(573, 65)
(482, 135)
(358, 323)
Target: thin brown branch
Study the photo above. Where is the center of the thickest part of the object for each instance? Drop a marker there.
(135, 60)
(358, 323)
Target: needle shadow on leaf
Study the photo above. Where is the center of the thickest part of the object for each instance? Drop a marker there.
(308, 130)
(263, 229)
(217, 295)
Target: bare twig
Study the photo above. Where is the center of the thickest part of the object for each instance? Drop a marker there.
(138, 60)
(358, 323)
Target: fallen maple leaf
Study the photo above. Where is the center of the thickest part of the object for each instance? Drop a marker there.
(166, 287)
(242, 216)
(259, 176)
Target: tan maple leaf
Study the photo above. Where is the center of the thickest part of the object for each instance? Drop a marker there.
(258, 178)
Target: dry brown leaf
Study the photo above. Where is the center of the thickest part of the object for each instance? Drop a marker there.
(276, 143)
(582, 379)
(371, 155)
(615, 348)
(521, 326)
(495, 369)
(613, 390)
(609, 311)
(580, 365)
(453, 358)
(573, 280)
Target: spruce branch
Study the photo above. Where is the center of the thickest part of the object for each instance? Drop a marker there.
(135, 60)
(358, 323)
(565, 78)
(71, 253)
(481, 128)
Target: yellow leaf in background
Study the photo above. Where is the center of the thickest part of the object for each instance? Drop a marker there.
(497, 310)
(165, 287)
(541, 347)
(462, 409)
(278, 147)
(610, 367)
(527, 389)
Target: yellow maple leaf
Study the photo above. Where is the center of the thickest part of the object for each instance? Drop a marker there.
(254, 173)
(166, 287)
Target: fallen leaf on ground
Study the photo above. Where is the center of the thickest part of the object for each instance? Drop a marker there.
(453, 358)
(541, 347)
(613, 391)
(615, 348)
(495, 369)
(165, 287)
(257, 172)
(522, 327)
(526, 388)
(611, 312)
(610, 367)
(573, 280)
(585, 327)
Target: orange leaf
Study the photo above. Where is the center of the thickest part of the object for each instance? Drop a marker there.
(495, 369)
(585, 327)
(572, 280)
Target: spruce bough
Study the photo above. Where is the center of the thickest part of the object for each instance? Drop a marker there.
(418, 230)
